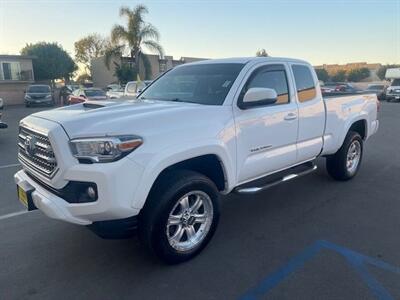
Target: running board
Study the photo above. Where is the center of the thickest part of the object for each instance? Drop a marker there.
(248, 189)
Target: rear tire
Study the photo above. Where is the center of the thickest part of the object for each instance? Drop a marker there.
(180, 216)
(345, 163)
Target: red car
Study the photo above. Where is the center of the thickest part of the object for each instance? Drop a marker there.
(84, 94)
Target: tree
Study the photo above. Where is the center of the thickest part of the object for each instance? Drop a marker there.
(261, 53)
(322, 74)
(125, 73)
(51, 61)
(89, 47)
(356, 75)
(339, 76)
(382, 70)
(136, 36)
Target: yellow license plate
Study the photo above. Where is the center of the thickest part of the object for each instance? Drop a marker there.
(22, 196)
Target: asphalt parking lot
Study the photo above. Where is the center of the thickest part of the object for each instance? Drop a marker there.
(312, 238)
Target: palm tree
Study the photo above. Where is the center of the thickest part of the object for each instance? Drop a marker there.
(136, 36)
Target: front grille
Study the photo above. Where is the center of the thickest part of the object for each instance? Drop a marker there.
(36, 153)
(37, 97)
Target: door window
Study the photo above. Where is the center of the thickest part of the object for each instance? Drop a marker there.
(304, 83)
(272, 77)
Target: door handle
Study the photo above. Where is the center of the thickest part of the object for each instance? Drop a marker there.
(290, 116)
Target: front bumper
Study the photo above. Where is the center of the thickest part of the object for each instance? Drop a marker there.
(117, 183)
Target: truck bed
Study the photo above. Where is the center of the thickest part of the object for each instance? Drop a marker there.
(353, 107)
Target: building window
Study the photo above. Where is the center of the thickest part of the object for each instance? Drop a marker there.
(11, 70)
(162, 65)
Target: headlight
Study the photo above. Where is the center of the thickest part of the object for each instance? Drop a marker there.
(104, 149)
(48, 96)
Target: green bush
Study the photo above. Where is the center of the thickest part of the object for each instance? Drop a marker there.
(358, 74)
(125, 73)
(322, 74)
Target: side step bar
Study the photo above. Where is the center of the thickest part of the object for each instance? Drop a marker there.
(307, 168)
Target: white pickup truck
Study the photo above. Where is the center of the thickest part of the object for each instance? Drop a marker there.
(159, 163)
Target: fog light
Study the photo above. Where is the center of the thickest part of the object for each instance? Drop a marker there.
(91, 192)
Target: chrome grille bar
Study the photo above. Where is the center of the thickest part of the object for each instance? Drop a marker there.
(36, 154)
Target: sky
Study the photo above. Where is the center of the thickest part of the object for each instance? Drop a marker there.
(318, 31)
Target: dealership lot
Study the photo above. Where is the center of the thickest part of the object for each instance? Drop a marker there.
(292, 241)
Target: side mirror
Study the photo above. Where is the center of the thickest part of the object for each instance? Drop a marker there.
(259, 96)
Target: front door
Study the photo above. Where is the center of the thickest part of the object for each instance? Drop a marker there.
(266, 134)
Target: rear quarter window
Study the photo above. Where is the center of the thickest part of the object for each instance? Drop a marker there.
(305, 84)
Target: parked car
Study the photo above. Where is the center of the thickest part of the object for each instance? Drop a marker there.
(39, 94)
(115, 91)
(84, 94)
(378, 89)
(393, 91)
(200, 130)
(346, 87)
(1, 103)
(329, 87)
(133, 88)
(339, 87)
(2, 125)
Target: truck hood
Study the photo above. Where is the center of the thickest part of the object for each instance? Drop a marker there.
(100, 118)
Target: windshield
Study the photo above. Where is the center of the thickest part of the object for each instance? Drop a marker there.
(114, 88)
(396, 82)
(203, 84)
(39, 89)
(94, 93)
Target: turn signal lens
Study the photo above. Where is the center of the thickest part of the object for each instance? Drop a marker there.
(129, 145)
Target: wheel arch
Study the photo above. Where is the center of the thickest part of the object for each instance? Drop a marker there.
(215, 163)
(360, 127)
(210, 165)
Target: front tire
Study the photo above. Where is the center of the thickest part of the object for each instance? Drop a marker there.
(345, 163)
(180, 216)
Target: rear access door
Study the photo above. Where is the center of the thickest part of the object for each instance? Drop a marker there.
(311, 110)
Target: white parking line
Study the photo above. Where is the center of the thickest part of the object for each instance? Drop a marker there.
(14, 214)
(9, 166)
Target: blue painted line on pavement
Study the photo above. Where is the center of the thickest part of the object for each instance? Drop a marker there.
(356, 260)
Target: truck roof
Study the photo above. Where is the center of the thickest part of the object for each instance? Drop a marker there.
(245, 60)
